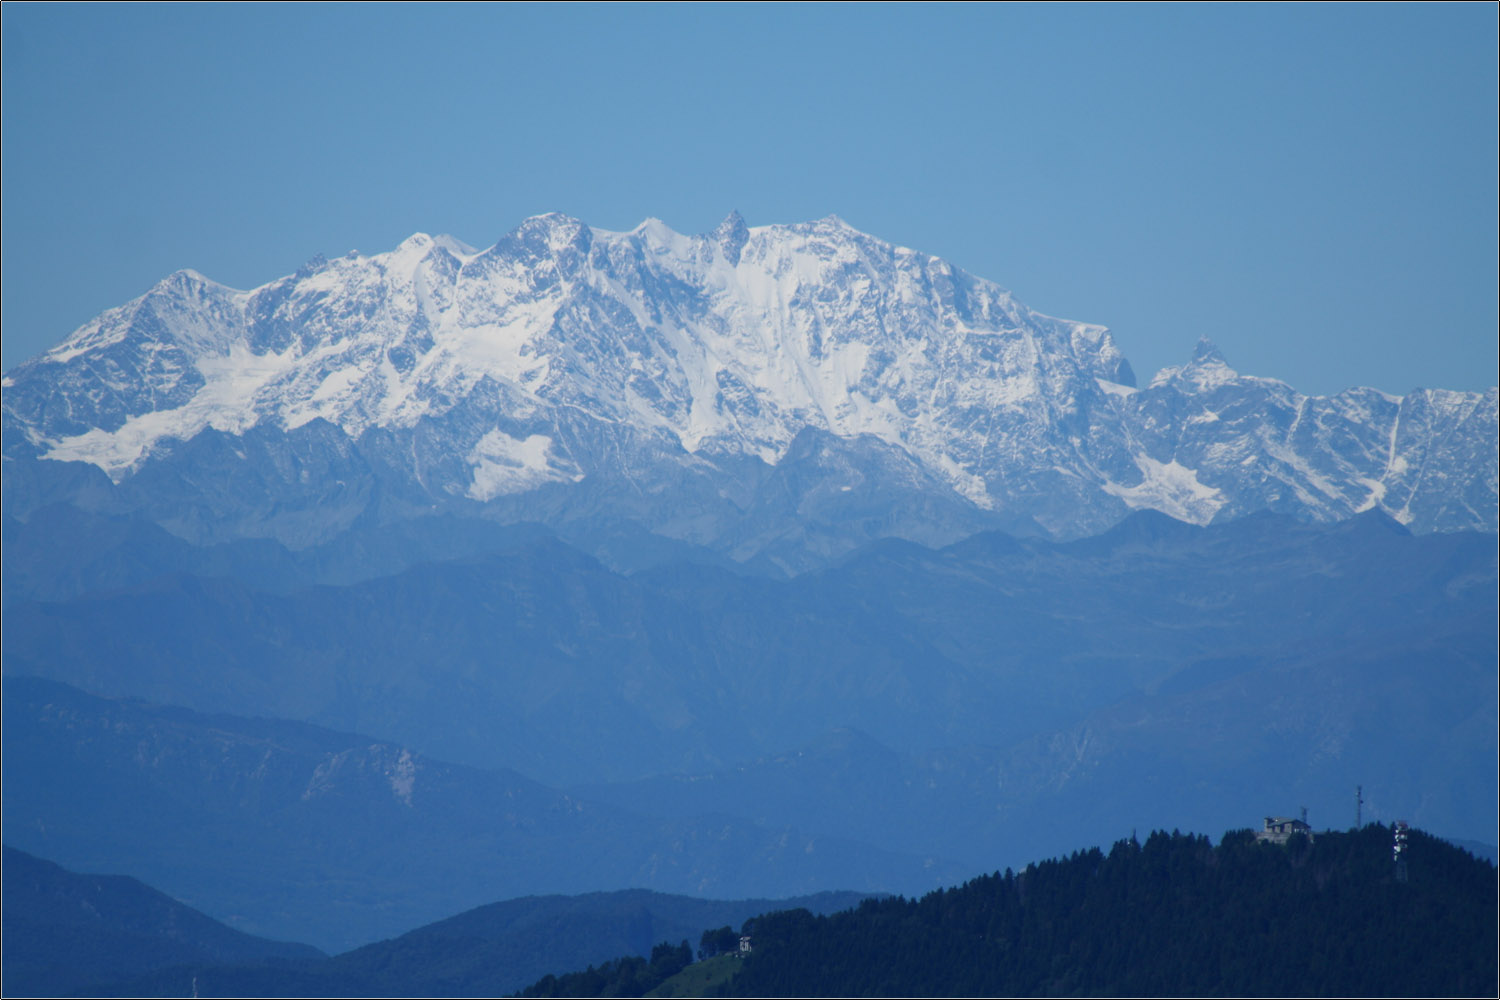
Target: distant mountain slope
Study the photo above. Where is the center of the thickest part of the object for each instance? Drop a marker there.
(1171, 917)
(781, 392)
(110, 935)
(500, 948)
(66, 933)
(538, 658)
(1231, 741)
(1161, 670)
(292, 830)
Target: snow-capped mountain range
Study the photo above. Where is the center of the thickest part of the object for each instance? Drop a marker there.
(569, 372)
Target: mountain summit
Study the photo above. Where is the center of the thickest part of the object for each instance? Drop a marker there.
(568, 373)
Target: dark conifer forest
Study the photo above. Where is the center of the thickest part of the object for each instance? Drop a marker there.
(1172, 916)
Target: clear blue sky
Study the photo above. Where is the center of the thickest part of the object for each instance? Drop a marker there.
(1314, 188)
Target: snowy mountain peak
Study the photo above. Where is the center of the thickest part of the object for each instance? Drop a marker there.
(1207, 352)
(731, 235)
(734, 222)
(314, 264)
(454, 245)
(541, 235)
(1208, 369)
(542, 362)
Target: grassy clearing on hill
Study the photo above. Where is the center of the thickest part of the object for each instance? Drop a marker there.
(701, 978)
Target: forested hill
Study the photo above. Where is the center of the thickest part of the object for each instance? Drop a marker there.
(1171, 916)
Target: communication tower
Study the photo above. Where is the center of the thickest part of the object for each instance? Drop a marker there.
(1359, 807)
(1398, 849)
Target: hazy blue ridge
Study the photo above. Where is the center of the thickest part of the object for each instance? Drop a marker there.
(907, 717)
(69, 934)
(502, 947)
(66, 933)
(1170, 915)
(289, 829)
(531, 655)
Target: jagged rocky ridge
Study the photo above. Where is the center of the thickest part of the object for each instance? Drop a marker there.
(780, 393)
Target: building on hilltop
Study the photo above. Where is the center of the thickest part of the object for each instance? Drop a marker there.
(1279, 829)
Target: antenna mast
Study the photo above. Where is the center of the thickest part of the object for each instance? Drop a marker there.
(1398, 849)
(1359, 807)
